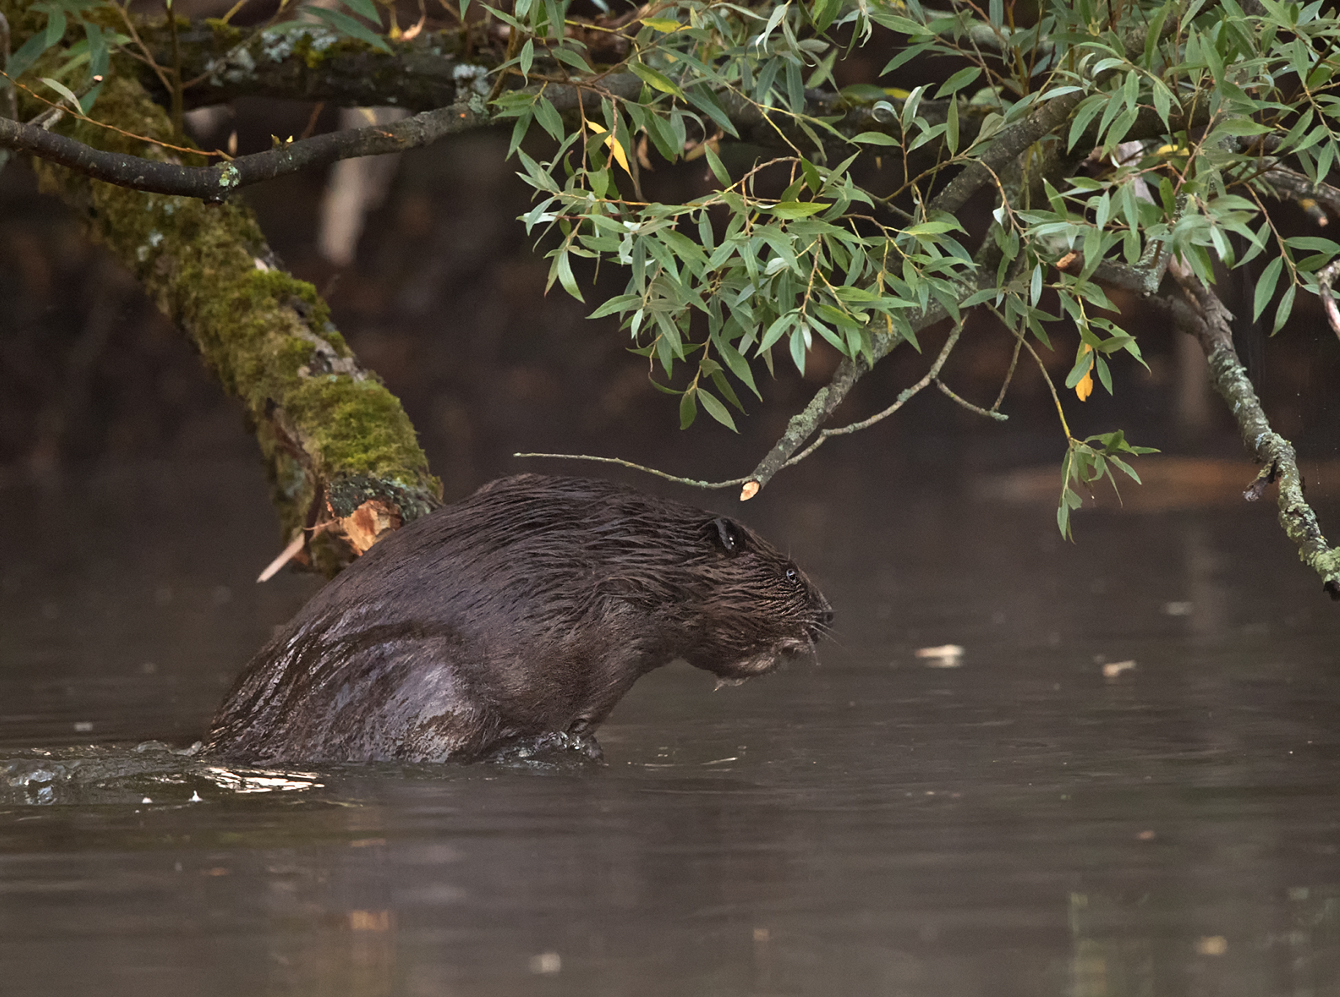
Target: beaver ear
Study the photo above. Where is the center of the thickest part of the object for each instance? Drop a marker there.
(728, 536)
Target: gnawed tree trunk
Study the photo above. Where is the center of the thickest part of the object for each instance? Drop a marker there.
(342, 455)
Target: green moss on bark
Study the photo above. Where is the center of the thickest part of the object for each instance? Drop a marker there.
(366, 432)
(319, 418)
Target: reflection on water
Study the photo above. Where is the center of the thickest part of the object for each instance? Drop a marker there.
(1026, 822)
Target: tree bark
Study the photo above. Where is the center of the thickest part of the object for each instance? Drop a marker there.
(342, 456)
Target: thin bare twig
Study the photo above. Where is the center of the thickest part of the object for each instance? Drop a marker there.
(710, 485)
(11, 108)
(233, 10)
(903, 398)
(513, 46)
(177, 112)
(135, 37)
(931, 376)
(51, 117)
(1009, 375)
(55, 110)
(990, 413)
(1042, 369)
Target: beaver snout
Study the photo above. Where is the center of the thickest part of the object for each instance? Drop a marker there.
(822, 619)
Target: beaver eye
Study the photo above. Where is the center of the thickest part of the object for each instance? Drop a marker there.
(791, 574)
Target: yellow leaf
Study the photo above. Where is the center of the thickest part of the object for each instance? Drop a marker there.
(663, 24)
(1085, 387)
(614, 145)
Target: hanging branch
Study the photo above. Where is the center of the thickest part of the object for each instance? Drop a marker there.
(1200, 313)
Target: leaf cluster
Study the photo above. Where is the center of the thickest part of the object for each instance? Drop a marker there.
(1089, 461)
(1170, 116)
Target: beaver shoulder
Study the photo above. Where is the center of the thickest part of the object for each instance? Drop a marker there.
(523, 612)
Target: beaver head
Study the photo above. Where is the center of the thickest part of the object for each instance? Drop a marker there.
(739, 605)
(683, 582)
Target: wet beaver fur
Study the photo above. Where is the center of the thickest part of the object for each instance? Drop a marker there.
(513, 621)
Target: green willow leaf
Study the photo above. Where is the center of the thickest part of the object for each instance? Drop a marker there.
(346, 25)
(716, 410)
(798, 209)
(656, 80)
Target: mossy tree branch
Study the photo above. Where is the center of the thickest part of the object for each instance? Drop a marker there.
(342, 455)
(1197, 310)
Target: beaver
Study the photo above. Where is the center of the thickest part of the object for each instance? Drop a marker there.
(511, 621)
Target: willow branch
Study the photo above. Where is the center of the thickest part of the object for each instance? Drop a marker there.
(1011, 142)
(903, 398)
(1005, 149)
(1202, 314)
(825, 401)
(214, 183)
(1001, 158)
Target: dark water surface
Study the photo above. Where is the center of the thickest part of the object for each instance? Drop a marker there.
(1019, 824)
